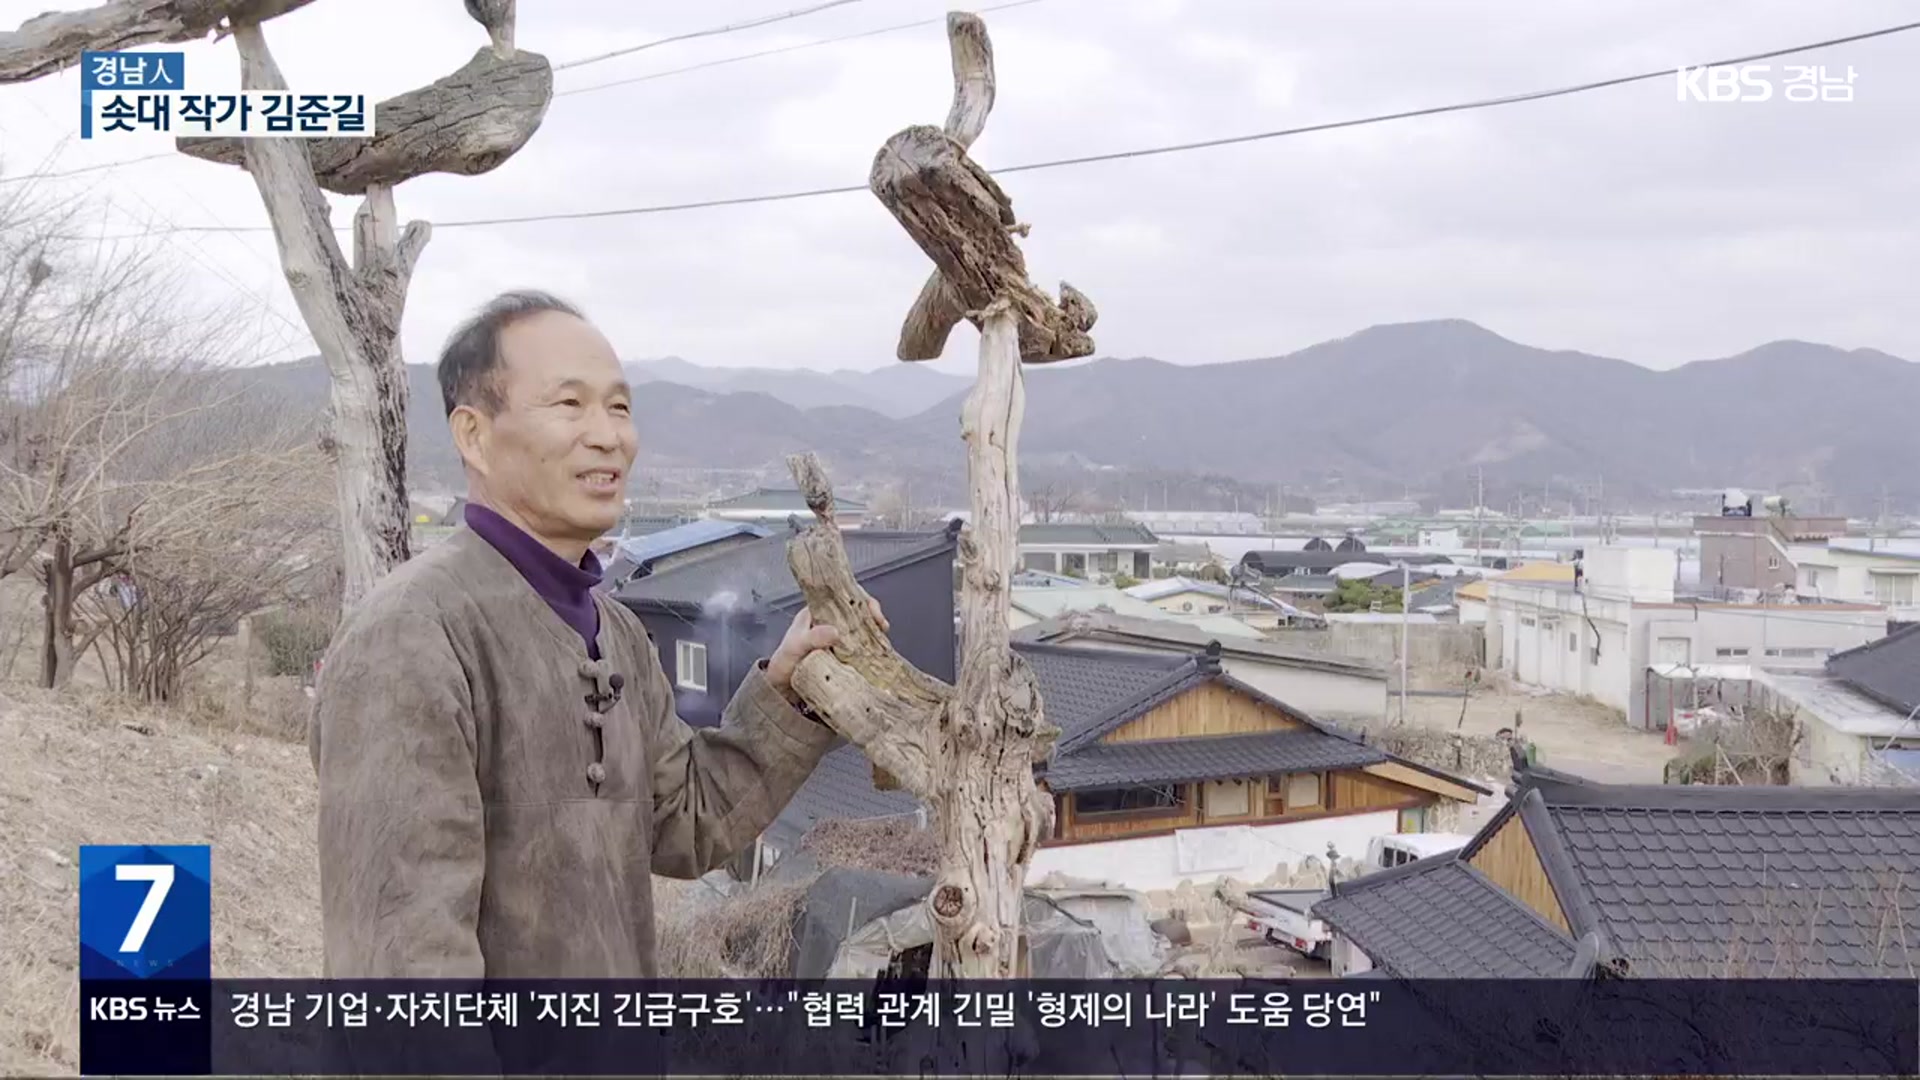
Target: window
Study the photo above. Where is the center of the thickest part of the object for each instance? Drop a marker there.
(690, 665)
(1160, 798)
(1288, 793)
(1729, 652)
(1773, 562)
(1892, 588)
(1573, 642)
(1526, 620)
(1413, 819)
(1105, 562)
(1813, 579)
(1044, 561)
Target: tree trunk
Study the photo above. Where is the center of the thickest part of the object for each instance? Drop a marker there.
(354, 312)
(57, 653)
(992, 816)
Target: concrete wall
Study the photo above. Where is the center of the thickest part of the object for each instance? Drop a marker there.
(1325, 695)
(1440, 651)
(1249, 853)
(1825, 756)
(1640, 574)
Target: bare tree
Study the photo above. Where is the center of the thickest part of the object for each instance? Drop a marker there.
(104, 361)
(466, 123)
(1055, 498)
(968, 751)
(268, 543)
(894, 508)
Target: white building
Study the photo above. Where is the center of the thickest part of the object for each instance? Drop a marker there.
(1096, 552)
(1597, 640)
(1855, 575)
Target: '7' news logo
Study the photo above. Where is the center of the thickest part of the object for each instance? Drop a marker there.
(1751, 82)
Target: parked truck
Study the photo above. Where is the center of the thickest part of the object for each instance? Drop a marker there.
(1285, 916)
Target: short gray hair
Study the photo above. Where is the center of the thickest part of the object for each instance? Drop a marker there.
(471, 359)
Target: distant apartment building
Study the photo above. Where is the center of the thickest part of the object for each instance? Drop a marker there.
(1627, 617)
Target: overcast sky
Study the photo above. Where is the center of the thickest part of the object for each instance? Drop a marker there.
(1620, 222)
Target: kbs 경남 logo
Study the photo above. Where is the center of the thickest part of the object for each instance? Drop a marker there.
(146, 912)
(1755, 82)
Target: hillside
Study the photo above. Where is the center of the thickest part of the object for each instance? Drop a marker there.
(1412, 406)
(74, 770)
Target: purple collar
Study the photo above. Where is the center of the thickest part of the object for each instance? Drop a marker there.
(567, 589)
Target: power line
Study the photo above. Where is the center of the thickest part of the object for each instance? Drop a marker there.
(764, 20)
(86, 168)
(1154, 151)
(649, 77)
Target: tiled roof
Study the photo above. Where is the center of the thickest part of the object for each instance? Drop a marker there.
(1438, 918)
(1051, 534)
(1176, 633)
(1182, 761)
(1280, 562)
(739, 574)
(1677, 881)
(1691, 880)
(1080, 688)
(1087, 693)
(1886, 670)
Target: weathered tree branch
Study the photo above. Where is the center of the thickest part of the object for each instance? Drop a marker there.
(464, 124)
(961, 218)
(968, 751)
(54, 41)
(863, 689)
(937, 310)
(497, 17)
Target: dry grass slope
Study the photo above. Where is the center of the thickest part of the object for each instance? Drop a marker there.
(78, 769)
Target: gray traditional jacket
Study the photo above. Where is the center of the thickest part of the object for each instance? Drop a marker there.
(492, 805)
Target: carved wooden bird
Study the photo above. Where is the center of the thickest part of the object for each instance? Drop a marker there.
(497, 17)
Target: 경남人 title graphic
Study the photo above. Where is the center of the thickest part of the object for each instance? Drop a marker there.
(146, 93)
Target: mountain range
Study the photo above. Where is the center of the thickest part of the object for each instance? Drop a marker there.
(1427, 407)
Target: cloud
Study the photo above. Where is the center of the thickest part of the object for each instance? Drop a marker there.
(1620, 222)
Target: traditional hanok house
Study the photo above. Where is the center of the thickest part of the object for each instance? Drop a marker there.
(1169, 769)
(1573, 878)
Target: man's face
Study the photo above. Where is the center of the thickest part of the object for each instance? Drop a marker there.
(557, 454)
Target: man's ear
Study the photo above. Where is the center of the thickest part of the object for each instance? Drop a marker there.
(470, 431)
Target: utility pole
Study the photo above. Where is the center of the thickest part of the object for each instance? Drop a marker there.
(1406, 581)
(1479, 501)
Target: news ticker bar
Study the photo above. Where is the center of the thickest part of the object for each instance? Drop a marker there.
(1021, 1028)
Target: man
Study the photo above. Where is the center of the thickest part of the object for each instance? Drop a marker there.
(501, 768)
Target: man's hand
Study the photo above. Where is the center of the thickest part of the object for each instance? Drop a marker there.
(803, 639)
